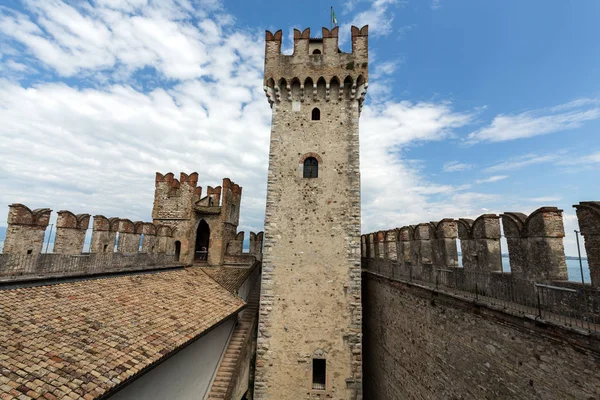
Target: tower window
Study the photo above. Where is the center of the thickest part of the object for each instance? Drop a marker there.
(316, 114)
(311, 168)
(319, 374)
(316, 51)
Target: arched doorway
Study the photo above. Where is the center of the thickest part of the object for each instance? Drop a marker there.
(202, 241)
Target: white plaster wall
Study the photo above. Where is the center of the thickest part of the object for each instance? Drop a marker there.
(185, 376)
(246, 287)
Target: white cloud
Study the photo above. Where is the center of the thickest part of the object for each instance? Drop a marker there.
(559, 159)
(436, 4)
(456, 166)
(385, 68)
(523, 161)
(544, 199)
(127, 35)
(494, 178)
(539, 122)
(581, 160)
(379, 16)
(394, 192)
(96, 149)
(403, 30)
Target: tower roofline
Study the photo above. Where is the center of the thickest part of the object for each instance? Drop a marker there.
(302, 38)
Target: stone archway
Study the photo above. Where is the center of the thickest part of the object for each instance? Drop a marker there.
(202, 241)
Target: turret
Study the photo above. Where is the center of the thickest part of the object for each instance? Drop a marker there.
(317, 70)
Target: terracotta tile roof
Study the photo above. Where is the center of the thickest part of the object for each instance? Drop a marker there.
(231, 278)
(82, 339)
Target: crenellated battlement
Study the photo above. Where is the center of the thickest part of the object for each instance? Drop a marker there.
(588, 214)
(27, 229)
(535, 243)
(174, 198)
(326, 46)
(168, 180)
(236, 244)
(318, 70)
(68, 220)
(70, 232)
(20, 214)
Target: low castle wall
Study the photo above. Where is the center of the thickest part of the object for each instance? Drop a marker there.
(423, 344)
(17, 267)
(434, 330)
(23, 258)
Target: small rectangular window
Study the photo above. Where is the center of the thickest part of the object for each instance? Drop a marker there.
(319, 374)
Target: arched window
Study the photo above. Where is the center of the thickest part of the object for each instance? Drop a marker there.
(311, 168)
(316, 51)
(316, 114)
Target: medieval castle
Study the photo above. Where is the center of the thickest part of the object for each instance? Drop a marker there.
(176, 308)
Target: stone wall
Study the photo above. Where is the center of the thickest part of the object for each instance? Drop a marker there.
(129, 236)
(419, 344)
(588, 214)
(310, 301)
(104, 234)
(70, 232)
(26, 229)
(535, 245)
(180, 205)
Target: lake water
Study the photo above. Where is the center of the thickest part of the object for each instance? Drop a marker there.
(572, 269)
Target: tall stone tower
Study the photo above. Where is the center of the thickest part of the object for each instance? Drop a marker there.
(309, 343)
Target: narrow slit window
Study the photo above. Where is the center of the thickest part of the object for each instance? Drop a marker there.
(319, 374)
(316, 114)
(311, 168)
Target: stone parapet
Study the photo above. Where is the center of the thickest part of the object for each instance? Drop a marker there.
(24, 267)
(535, 244)
(70, 232)
(104, 234)
(588, 215)
(480, 243)
(26, 229)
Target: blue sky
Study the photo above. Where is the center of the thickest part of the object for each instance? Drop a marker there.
(473, 106)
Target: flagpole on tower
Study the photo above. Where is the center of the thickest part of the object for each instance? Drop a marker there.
(332, 20)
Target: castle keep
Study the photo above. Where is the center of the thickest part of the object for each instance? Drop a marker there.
(309, 339)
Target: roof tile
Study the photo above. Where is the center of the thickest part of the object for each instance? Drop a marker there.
(81, 339)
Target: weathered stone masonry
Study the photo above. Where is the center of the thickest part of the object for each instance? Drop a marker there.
(310, 300)
(26, 229)
(70, 232)
(425, 342)
(423, 345)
